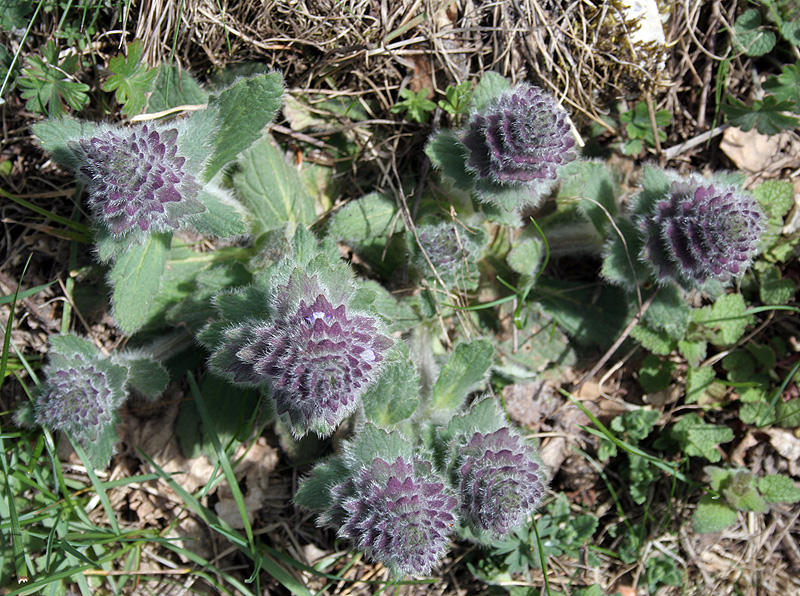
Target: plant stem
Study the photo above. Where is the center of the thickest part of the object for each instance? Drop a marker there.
(623, 336)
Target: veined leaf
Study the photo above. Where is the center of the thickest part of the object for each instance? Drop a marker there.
(131, 79)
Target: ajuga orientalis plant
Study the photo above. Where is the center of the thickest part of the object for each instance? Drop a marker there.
(397, 379)
(138, 178)
(82, 391)
(316, 353)
(701, 230)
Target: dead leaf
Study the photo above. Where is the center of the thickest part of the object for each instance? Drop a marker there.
(787, 445)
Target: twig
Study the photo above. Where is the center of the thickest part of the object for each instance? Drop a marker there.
(676, 150)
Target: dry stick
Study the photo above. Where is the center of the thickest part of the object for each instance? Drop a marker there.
(600, 363)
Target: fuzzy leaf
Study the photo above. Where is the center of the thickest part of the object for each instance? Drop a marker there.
(466, 368)
(779, 489)
(655, 374)
(174, 87)
(526, 257)
(698, 381)
(490, 86)
(314, 492)
(136, 277)
(448, 154)
(621, 263)
(698, 438)
(773, 289)
(66, 343)
(669, 312)
(222, 217)
(658, 342)
(693, 351)
(244, 110)
(394, 397)
(725, 321)
(370, 217)
(596, 185)
(147, 376)
(272, 189)
(713, 515)
(131, 79)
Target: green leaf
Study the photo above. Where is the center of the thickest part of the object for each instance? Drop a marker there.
(698, 381)
(174, 87)
(147, 376)
(271, 189)
(131, 79)
(597, 187)
(526, 256)
(621, 263)
(787, 413)
(779, 489)
(244, 111)
(66, 343)
(774, 290)
(658, 342)
(136, 277)
(740, 492)
(637, 424)
(314, 492)
(776, 197)
(749, 37)
(589, 316)
(467, 366)
(395, 395)
(655, 375)
(669, 312)
(723, 324)
(766, 115)
(222, 217)
(448, 154)
(713, 515)
(785, 86)
(694, 351)
(758, 413)
(698, 438)
(47, 83)
(790, 30)
(373, 216)
(490, 86)
(418, 106)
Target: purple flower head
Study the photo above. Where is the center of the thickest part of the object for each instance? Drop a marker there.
(136, 180)
(317, 358)
(522, 137)
(702, 231)
(500, 482)
(81, 396)
(399, 513)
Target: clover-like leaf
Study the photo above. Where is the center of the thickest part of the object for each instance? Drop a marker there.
(418, 106)
(131, 79)
(767, 115)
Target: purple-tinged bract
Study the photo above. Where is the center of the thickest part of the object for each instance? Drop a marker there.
(702, 231)
(399, 513)
(500, 482)
(522, 137)
(80, 396)
(136, 179)
(317, 358)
